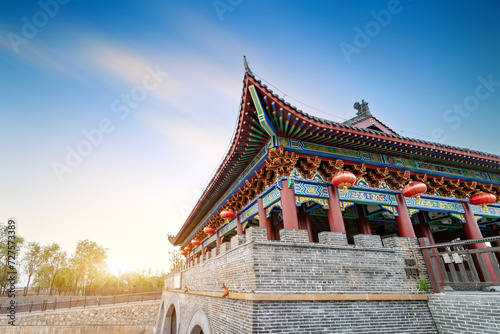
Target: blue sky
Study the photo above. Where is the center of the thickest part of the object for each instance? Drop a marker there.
(147, 95)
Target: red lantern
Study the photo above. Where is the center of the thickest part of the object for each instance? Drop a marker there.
(183, 252)
(188, 248)
(209, 230)
(483, 199)
(227, 214)
(344, 179)
(414, 189)
(195, 242)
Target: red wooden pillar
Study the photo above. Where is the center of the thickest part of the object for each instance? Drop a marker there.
(305, 224)
(335, 218)
(403, 220)
(239, 228)
(423, 230)
(363, 222)
(472, 231)
(203, 252)
(290, 219)
(218, 240)
(263, 220)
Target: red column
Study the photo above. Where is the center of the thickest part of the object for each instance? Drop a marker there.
(335, 219)
(305, 224)
(203, 248)
(424, 230)
(403, 220)
(363, 222)
(472, 231)
(263, 220)
(239, 228)
(290, 219)
(218, 240)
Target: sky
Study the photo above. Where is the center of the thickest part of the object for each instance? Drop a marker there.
(115, 114)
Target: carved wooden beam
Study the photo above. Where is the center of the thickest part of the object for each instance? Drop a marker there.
(328, 168)
(280, 160)
(309, 166)
(398, 180)
(376, 176)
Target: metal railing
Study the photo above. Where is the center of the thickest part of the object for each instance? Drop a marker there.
(461, 267)
(81, 302)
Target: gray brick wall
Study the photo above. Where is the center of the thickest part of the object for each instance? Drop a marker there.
(229, 316)
(343, 317)
(252, 264)
(226, 316)
(298, 266)
(466, 313)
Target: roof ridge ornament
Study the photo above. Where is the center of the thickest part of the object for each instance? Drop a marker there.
(362, 108)
(247, 69)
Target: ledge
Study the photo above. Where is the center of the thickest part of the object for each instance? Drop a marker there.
(307, 296)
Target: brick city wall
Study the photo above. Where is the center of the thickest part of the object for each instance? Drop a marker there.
(466, 313)
(230, 316)
(252, 267)
(252, 263)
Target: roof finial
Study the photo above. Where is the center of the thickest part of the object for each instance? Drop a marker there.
(362, 108)
(247, 69)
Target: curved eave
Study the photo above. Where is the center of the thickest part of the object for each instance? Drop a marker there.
(248, 140)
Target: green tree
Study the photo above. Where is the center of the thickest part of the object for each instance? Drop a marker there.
(89, 259)
(54, 259)
(10, 245)
(176, 260)
(32, 260)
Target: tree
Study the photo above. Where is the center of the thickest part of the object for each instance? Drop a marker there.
(89, 259)
(53, 260)
(10, 244)
(176, 260)
(32, 260)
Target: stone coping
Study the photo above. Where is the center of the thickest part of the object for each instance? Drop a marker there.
(307, 296)
(320, 245)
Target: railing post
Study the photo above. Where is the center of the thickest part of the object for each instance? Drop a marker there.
(55, 303)
(430, 268)
(84, 301)
(128, 298)
(114, 300)
(69, 302)
(31, 306)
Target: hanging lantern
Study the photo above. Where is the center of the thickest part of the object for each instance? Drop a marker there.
(227, 214)
(414, 189)
(482, 199)
(209, 230)
(344, 179)
(188, 248)
(195, 242)
(183, 252)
